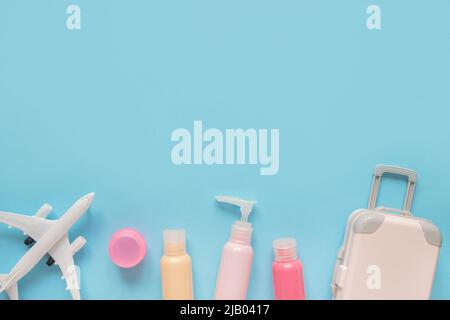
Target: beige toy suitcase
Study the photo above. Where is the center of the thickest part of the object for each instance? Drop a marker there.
(387, 253)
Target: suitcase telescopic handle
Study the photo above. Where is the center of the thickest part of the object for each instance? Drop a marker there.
(378, 173)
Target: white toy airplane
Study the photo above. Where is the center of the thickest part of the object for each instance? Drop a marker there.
(51, 236)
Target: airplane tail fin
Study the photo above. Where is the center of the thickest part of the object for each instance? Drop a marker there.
(11, 288)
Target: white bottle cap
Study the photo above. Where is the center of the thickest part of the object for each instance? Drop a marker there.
(174, 241)
(241, 232)
(285, 249)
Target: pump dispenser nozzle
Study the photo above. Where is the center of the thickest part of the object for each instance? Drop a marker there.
(245, 205)
(241, 231)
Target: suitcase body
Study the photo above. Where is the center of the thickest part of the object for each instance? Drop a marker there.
(387, 253)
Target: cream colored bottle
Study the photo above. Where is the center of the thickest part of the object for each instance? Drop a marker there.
(176, 267)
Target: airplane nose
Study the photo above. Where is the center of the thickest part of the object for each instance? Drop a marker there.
(89, 197)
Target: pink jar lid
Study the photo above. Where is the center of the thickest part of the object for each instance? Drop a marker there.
(127, 248)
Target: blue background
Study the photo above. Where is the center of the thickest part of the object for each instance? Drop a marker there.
(93, 110)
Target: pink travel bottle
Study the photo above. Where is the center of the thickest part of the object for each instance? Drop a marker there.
(287, 271)
(237, 256)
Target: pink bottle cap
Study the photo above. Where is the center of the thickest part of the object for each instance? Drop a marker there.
(127, 248)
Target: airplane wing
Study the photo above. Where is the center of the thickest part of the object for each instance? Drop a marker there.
(62, 254)
(32, 226)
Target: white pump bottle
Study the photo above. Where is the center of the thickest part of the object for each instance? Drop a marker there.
(237, 256)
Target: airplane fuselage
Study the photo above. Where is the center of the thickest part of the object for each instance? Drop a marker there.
(56, 232)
